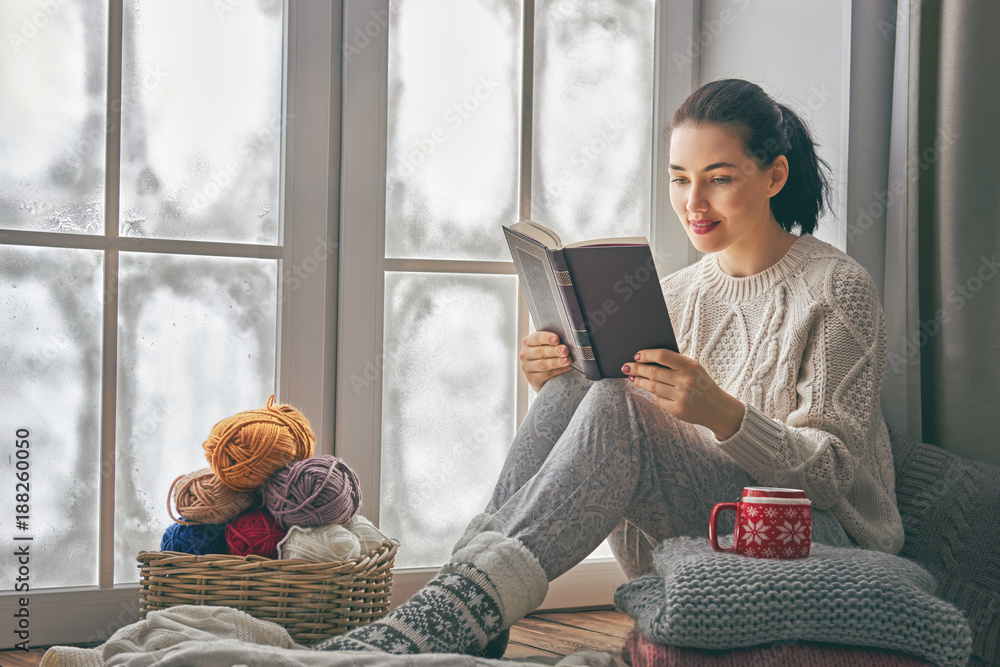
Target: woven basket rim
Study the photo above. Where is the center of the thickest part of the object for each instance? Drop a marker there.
(386, 549)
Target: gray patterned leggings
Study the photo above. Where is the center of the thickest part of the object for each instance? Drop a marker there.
(596, 460)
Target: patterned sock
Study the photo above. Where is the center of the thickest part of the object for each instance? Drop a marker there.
(490, 584)
(458, 611)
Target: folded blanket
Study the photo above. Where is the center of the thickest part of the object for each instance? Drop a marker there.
(951, 515)
(700, 598)
(210, 636)
(640, 652)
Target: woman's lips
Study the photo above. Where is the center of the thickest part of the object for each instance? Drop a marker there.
(703, 226)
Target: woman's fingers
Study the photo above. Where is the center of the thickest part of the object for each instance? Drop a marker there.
(540, 338)
(651, 372)
(542, 356)
(663, 357)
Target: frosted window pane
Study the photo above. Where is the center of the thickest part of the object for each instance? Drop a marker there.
(52, 115)
(453, 118)
(201, 120)
(592, 158)
(50, 351)
(447, 405)
(196, 345)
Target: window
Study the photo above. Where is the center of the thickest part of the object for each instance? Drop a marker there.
(160, 268)
(494, 110)
(485, 113)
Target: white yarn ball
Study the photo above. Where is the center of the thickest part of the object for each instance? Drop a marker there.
(370, 537)
(331, 542)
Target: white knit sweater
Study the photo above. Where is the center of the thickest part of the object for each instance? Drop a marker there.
(802, 344)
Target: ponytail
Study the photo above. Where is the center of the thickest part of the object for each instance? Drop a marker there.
(807, 189)
(767, 129)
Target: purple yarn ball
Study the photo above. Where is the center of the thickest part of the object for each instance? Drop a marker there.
(313, 492)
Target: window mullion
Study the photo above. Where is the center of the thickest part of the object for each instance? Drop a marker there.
(677, 25)
(109, 362)
(527, 99)
(527, 125)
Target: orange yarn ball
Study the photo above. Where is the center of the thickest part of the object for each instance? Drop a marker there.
(246, 449)
(201, 497)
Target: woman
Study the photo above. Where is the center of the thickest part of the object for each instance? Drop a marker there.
(777, 383)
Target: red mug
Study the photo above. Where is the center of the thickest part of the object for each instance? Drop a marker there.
(770, 523)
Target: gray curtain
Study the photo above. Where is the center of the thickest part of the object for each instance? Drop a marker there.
(936, 249)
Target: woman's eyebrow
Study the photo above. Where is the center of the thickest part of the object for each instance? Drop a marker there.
(714, 165)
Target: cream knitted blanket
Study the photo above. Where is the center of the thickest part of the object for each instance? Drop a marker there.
(206, 636)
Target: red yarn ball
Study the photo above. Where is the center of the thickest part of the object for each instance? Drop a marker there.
(255, 533)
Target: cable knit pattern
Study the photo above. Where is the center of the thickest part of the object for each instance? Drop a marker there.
(802, 344)
(705, 599)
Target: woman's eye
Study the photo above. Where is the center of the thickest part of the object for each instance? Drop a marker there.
(721, 181)
(678, 180)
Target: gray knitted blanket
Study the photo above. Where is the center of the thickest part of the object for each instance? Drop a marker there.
(951, 515)
(703, 599)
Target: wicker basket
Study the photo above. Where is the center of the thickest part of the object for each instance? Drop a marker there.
(311, 600)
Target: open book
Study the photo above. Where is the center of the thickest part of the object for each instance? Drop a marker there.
(601, 297)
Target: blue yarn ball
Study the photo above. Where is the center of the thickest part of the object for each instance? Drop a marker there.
(198, 539)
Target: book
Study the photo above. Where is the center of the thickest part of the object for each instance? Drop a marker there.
(602, 297)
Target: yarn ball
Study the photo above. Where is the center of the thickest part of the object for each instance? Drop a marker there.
(313, 492)
(371, 538)
(201, 497)
(246, 449)
(254, 533)
(320, 543)
(198, 539)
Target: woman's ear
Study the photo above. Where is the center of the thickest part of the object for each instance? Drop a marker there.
(779, 175)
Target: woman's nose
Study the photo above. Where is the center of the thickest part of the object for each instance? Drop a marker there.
(696, 201)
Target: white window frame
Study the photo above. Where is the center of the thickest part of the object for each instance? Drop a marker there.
(307, 252)
(366, 25)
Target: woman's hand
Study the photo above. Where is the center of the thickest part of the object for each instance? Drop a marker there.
(542, 357)
(684, 388)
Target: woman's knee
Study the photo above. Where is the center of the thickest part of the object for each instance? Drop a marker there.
(571, 385)
(626, 396)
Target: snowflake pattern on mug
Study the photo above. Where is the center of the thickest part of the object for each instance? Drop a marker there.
(787, 532)
(755, 532)
(774, 531)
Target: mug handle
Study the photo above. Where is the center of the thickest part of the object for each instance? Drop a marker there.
(713, 534)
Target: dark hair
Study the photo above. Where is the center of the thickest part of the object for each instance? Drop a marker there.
(767, 129)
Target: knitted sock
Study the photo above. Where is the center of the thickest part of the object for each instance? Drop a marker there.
(474, 528)
(489, 584)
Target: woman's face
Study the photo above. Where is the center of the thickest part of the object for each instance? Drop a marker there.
(719, 193)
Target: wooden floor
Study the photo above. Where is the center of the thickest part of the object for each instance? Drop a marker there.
(545, 636)
(555, 634)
